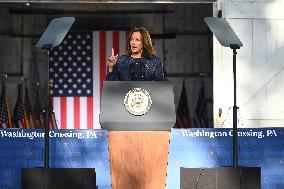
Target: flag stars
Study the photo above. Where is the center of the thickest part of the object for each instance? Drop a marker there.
(60, 91)
(71, 69)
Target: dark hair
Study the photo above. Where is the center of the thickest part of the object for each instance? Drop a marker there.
(148, 49)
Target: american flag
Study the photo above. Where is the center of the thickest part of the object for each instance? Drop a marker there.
(28, 108)
(5, 118)
(201, 108)
(37, 109)
(183, 116)
(19, 118)
(77, 71)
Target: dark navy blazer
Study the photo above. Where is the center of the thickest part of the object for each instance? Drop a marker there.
(128, 68)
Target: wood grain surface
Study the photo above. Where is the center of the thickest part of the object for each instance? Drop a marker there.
(138, 159)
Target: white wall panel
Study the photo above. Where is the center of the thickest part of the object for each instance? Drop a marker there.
(253, 9)
(271, 40)
(259, 43)
(260, 76)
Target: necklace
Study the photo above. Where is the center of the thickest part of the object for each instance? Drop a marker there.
(136, 57)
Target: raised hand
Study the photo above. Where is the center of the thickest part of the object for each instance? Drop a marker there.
(112, 60)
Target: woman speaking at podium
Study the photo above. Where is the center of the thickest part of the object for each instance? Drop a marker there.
(139, 63)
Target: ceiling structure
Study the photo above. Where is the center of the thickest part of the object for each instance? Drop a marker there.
(110, 1)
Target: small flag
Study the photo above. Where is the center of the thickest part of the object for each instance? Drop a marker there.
(37, 109)
(19, 117)
(183, 116)
(201, 109)
(28, 109)
(5, 117)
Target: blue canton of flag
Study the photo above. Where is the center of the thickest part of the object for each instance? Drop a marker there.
(71, 66)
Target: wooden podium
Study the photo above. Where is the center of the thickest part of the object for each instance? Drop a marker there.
(138, 159)
(138, 145)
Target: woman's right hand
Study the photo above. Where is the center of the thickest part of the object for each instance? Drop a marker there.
(112, 60)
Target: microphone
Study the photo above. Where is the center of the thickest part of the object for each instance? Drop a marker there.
(142, 70)
(133, 76)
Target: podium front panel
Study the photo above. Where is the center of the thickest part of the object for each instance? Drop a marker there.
(114, 116)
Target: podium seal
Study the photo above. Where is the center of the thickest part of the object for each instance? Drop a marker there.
(137, 101)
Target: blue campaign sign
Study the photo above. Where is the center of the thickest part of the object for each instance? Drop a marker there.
(24, 148)
(212, 147)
